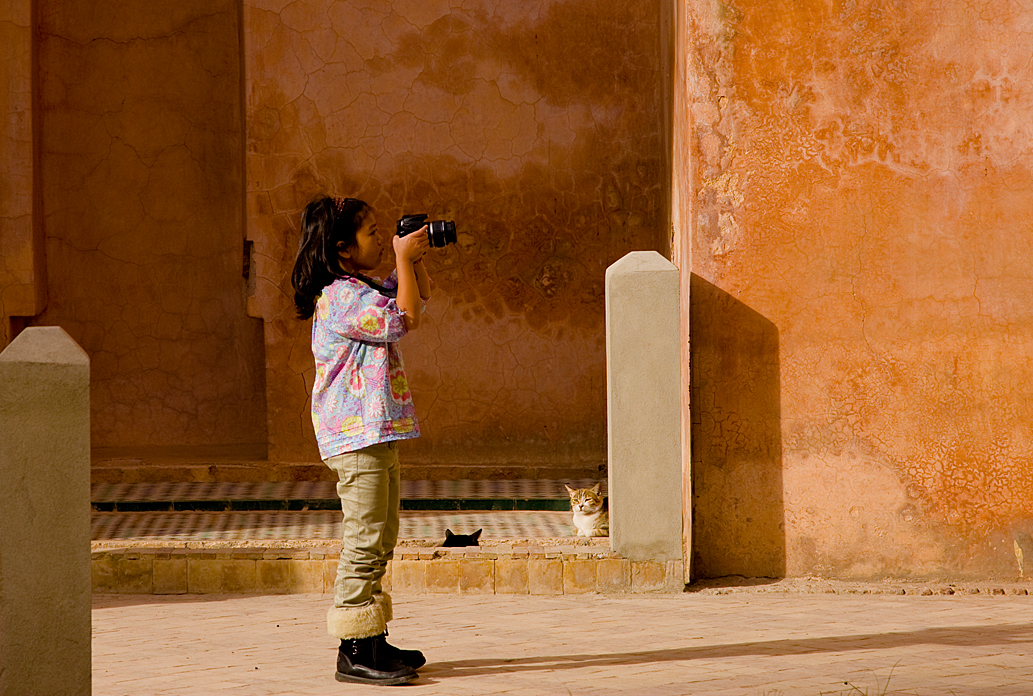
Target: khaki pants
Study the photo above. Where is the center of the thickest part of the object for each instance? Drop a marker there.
(368, 482)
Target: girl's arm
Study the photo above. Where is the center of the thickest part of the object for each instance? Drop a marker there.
(408, 250)
(422, 279)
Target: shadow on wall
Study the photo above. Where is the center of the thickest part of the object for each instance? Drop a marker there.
(738, 508)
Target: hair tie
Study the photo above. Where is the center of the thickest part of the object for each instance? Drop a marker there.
(339, 203)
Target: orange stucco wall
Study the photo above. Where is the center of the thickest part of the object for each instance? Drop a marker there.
(850, 197)
(22, 290)
(859, 180)
(535, 126)
(140, 167)
(164, 152)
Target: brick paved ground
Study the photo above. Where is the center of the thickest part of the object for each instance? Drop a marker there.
(762, 644)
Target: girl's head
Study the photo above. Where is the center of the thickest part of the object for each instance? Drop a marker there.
(329, 226)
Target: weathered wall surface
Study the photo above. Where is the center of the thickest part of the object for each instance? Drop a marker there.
(141, 158)
(22, 289)
(535, 126)
(862, 197)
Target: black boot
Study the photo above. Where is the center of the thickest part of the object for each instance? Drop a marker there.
(409, 658)
(360, 660)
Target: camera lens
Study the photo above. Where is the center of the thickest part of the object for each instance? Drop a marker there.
(441, 232)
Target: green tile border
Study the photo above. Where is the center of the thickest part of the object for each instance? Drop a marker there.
(456, 504)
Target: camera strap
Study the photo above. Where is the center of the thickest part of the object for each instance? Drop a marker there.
(386, 292)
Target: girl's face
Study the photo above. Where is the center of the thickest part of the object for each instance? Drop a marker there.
(367, 251)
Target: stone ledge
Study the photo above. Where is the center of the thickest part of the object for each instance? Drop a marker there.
(114, 471)
(581, 544)
(256, 570)
(249, 464)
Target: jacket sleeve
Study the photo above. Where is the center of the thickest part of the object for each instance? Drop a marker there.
(357, 311)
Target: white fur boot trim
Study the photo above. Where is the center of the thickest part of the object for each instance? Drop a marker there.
(356, 622)
(384, 600)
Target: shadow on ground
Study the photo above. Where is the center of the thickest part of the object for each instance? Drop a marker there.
(970, 636)
(729, 581)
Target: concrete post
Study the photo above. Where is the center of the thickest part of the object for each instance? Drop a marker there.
(44, 515)
(643, 375)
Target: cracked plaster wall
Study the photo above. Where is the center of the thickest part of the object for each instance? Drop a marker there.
(22, 292)
(536, 127)
(141, 157)
(862, 183)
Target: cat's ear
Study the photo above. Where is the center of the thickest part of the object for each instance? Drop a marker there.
(570, 490)
(476, 535)
(449, 534)
(595, 488)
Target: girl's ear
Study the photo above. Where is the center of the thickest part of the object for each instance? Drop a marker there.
(343, 250)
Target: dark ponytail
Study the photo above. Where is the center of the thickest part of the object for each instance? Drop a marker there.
(325, 222)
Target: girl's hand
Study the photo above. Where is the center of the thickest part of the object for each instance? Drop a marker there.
(412, 246)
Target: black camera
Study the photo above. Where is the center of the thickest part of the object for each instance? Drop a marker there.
(439, 232)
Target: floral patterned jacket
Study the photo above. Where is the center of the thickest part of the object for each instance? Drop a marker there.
(360, 396)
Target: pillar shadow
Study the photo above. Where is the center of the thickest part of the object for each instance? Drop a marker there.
(738, 524)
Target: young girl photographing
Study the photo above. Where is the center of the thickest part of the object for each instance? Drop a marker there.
(361, 406)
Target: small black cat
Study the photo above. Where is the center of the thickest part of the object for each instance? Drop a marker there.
(461, 539)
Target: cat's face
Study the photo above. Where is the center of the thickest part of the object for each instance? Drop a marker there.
(585, 500)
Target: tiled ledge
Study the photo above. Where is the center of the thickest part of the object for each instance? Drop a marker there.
(235, 465)
(519, 570)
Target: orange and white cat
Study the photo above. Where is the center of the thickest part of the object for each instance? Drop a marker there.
(591, 518)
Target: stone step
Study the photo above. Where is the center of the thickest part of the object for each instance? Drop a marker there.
(499, 569)
(521, 552)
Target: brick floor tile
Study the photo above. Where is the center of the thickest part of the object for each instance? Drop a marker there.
(511, 576)
(204, 576)
(443, 576)
(613, 575)
(272, 576)
(330, 574)
(544, 576)
(104, 573)
(238, 576)
(476, 576)
(170, 575)
(579, 577)
(305, 576)
(408, 576)
(135, 574)
(586, 644)
(648, 576)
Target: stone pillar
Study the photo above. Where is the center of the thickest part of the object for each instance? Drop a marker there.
(643, 375)
(44, 515)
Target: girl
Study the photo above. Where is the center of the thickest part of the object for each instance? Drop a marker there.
(360, 406)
